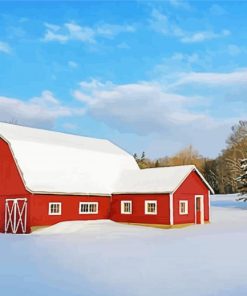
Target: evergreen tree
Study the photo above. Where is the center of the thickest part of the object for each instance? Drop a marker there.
(242, 180)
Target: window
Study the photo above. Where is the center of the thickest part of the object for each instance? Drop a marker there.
(88, 208)
(183, 207)
(151, 207)
(126, 207)
(55, 208)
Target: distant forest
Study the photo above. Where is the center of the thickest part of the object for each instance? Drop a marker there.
(226, 174)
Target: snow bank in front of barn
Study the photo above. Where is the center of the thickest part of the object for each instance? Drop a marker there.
(77, 226)
(72, 227)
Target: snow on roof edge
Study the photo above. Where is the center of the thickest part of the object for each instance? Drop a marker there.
(70, 193)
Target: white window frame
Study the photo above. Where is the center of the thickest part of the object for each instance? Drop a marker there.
(186, 207)
(146, 207)
(60, 208)
(89, 203)
(122, 207)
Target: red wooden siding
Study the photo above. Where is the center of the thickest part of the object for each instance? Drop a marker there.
(11, 185)
(138, 209)
(39, 207)
(10, 180)
(193, 185)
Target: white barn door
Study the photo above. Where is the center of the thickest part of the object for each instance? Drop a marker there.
(16, 215)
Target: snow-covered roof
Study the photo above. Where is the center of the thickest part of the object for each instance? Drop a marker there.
(52, 162)
(155, 180)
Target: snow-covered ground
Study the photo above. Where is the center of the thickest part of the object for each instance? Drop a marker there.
(110, 259)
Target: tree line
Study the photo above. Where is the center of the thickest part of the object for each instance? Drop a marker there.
(227, 173)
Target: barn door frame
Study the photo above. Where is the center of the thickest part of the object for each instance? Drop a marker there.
(201, 209)
(15, 215)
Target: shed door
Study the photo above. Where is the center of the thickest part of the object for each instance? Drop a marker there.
(199, 209)
(16, 215)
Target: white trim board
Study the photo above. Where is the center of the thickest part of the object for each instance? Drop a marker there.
(171, 209)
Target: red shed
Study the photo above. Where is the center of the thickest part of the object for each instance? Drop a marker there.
(164, 196)
(49, 177)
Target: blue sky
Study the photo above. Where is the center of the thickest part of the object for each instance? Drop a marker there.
(153, 76)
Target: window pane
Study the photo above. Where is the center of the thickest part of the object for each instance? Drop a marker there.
(88, 208)
(55, 208)
(151, 207)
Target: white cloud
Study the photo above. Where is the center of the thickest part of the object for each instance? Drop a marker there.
(172, 68)
(123, 45)
(236, 77)
(203, 36)
(159, 22)
(51, 35)
(150, 110)
(180, 4)
(140, 107)
(72, 31)
(40, 111)
(108, 30)
(4, 47)
(72, 64)
(235, 50)
(52, 27)
(76, 32)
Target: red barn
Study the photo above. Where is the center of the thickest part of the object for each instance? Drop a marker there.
(48, 177)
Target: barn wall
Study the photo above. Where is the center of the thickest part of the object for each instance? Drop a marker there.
(193, 185)
(138, 209)
(11, 185)
(10, 180)
(39, 206)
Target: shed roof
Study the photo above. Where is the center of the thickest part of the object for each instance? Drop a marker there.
(155, 180)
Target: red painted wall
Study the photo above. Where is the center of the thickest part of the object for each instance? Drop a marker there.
(39, 208)
(10, 180)
(138, 209)
(193, 185)
(11, 185)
